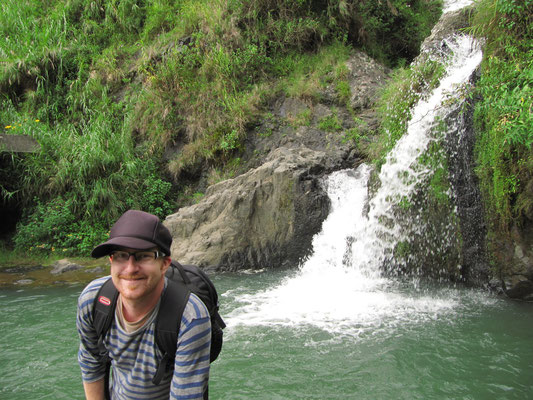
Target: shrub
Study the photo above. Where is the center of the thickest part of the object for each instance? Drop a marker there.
(330, 123)
(54, 228)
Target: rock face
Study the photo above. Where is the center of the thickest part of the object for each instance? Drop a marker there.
(513, 259)
(449, 23)
(365, 77)
(467, 197)
(267, 216)
(296, 122)
(263, 218)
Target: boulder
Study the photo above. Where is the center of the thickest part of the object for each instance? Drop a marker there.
(63, 266)
(263, 218)
(27, 281)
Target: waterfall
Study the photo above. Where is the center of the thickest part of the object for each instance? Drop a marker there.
(453, 5)
(402, 171)
(340, 288)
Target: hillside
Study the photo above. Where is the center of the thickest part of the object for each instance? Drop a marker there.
(144, 104)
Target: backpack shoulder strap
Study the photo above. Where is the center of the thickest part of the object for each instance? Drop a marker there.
(168, 323)
(105, 303)
(104, 307)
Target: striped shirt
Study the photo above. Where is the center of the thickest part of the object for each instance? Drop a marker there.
(135, 356)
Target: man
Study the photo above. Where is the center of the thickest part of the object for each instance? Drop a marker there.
(139, 254)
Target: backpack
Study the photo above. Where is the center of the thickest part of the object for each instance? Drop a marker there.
(182, 280)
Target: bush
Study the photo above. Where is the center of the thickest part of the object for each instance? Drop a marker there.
(53, 228)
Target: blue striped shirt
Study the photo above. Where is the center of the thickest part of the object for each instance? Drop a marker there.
(135, 356)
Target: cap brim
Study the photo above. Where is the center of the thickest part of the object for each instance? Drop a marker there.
(106, 248)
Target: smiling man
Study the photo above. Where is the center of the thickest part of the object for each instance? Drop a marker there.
(139, 254)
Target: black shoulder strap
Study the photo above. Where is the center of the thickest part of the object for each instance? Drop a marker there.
(104, 307)
(168, 323)
(103, 315)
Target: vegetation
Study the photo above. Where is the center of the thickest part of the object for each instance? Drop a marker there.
(406, 87)
(504, 114)
(108, 86)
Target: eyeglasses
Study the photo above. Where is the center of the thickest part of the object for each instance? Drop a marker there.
(141, 257)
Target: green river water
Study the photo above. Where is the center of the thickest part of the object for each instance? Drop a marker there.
(411, 343)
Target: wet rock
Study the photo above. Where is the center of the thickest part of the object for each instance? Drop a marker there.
(523, 290)
(24, 281)
(448, 24)
(63, 266)
(21, 269)
(263, 218)
(96, 270)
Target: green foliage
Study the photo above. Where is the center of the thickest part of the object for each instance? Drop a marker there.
(330, 123)
(503, 114)
(390, 31)
(405, 89)
(434, 158)
(507, 90)
(54, 228)
(403, 250)
(343, 91)
(82, 180)
(154, 195)
(230, 141)
(352, 135)
(313, 71)
(302, 118)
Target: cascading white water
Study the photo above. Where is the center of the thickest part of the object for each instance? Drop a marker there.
(340, 288)
(402, 171)
(453, 5)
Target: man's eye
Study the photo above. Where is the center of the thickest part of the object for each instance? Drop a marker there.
(120, 256)
(145, 256)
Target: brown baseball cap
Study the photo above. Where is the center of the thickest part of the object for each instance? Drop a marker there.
(136, 230)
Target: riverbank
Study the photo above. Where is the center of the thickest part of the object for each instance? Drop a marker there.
(31, 273)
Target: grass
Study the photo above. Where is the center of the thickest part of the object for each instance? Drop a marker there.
(116, 83)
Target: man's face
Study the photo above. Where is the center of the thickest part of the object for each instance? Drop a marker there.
(138, 280)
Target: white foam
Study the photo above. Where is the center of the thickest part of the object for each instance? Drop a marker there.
(454, 5)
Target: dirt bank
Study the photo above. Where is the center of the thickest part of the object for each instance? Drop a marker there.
(26, 274)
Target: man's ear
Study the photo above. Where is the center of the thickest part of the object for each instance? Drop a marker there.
(166, 264)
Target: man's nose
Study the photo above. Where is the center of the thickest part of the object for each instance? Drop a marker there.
(131, 264)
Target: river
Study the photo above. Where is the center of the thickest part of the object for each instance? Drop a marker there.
(432, 342)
